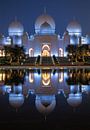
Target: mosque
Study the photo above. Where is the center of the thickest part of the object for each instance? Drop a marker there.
(45, 41)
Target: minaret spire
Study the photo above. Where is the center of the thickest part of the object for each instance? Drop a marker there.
(74, 18)
(15, 18)
(45, 10)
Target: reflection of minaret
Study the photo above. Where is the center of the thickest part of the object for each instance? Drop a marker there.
(16, 110)
(74, 109)
(45, 117)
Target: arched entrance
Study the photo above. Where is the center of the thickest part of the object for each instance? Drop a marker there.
(46, 50)
(61, 54)
(31, 52)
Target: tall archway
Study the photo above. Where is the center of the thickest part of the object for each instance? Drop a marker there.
(46, 51)
(31, 52)
(46, 79)
(61, 53)
(61, 76)
(31, 77)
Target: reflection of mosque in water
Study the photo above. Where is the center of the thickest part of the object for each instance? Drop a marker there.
(45, 85)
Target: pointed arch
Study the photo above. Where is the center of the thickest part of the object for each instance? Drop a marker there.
(61, 53)
(31, 52)
(46, 50)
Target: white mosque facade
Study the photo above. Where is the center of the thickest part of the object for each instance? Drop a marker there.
(45, 41)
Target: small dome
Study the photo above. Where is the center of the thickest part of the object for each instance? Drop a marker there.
(45, 21)
(74, 28)
(74, 100)
(16, 100)
(45, 104)
(15, 28)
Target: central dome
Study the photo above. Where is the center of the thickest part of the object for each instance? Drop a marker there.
(74, 28)
(15, 28)
(45, 104)
(45, 21)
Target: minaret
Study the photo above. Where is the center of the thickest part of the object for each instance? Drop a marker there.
(74, 18)
(15, 18)
(45, 11)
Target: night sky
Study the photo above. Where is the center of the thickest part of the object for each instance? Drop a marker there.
(63, 11)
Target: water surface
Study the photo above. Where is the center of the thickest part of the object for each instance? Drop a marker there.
(55, 98)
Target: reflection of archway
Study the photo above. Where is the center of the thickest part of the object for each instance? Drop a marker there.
(31, 52)
(61, 52)
(45, 50)
(61, 75)
(46, 79)
(31, 77)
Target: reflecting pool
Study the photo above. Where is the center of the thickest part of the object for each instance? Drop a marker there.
(57, 97)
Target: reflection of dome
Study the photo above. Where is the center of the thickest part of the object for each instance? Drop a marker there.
(45, 104)
(45, 22)
(74, 100)
(16, 100)
(74, 28)
(15, 28)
